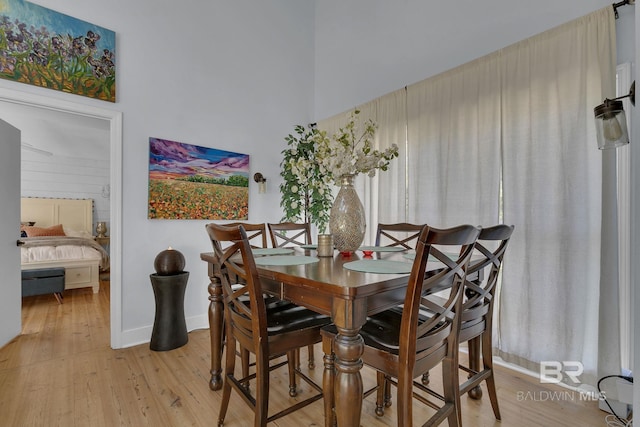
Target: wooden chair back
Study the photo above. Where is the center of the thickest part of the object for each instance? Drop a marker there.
(478, 306)
(266, 329)
(424, 342)
(256, 233)
(289, 234)
(239, 279)
(401, 234)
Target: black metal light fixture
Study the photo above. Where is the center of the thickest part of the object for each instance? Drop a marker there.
(262, 182)
(611, 122)
(620, 4)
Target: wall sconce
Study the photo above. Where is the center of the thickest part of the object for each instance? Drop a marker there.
(611, 122)
(106, 191)
(262, 182)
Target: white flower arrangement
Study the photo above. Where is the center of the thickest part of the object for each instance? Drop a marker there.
(351, 151)
(313, 162)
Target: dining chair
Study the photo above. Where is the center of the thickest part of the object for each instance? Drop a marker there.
(257, 236)
(256, 233)
(477, 311)
(289, 234)
(401, 345)
(264, 332)
(400, 234)
(292, 234)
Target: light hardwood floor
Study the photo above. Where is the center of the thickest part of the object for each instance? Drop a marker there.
(62, 372)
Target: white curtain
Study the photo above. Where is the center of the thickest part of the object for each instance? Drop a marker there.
(552, 295)
(510, 138)
(454, 146)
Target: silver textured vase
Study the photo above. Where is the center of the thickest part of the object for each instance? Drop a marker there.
(347, 221)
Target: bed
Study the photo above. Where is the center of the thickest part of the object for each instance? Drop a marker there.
(77, 252)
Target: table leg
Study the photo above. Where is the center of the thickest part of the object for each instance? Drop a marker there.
(216, 311)
(348, 349)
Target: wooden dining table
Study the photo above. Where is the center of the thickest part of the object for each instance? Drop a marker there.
(326, 287)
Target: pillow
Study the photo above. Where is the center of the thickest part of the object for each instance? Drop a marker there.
(23, 224)
(54, 230)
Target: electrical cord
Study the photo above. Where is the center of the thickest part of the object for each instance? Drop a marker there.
(611, 421)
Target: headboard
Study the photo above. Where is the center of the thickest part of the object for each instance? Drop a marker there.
(75, 214)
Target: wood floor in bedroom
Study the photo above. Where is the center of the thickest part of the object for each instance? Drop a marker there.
(62, 372)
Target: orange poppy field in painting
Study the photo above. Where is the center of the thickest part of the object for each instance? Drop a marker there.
(192, 182)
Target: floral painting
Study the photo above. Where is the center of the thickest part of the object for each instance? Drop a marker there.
(45, 48)
(192, 182)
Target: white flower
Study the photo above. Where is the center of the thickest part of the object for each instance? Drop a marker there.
(294, 204)
(352, 151)
(294, 188)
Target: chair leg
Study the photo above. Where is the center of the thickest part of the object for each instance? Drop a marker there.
(474, 364)
(487, 360)
(387, 392)
(291, 363)
(381, 397)
(425, 378)
(404, 399)
(262, 390)
(312, 360)
(328, 381)
(451, 390)
(229, 367)
(244, 357)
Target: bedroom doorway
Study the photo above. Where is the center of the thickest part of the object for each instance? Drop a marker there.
(112, 122)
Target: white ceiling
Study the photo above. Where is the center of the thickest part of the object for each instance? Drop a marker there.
(60, 133)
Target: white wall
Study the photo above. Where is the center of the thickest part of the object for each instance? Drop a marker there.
(367, 48)
(238, 74)
(232, 74)
(635, 224)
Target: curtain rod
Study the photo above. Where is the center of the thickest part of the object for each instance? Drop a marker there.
(620, 4)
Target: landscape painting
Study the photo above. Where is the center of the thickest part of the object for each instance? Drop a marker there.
(42, 47)
(192, 182)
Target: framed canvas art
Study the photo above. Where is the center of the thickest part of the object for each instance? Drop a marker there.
(192, 182)
(42, 47)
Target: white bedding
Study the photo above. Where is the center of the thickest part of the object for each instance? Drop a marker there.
(57, 253)
(41, 249)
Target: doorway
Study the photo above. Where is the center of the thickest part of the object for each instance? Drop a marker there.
(113, 120)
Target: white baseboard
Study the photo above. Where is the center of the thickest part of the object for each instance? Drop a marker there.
(138, 336)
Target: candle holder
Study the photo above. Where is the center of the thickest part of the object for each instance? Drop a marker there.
(101, 229)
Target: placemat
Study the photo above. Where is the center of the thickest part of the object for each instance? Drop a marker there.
(271, 251)
(286, 260)
(379, 266)
(453, 256)
(381, 248)
(412, 256)
(309, 246)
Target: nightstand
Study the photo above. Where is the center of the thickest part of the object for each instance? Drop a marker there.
(103, 241)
